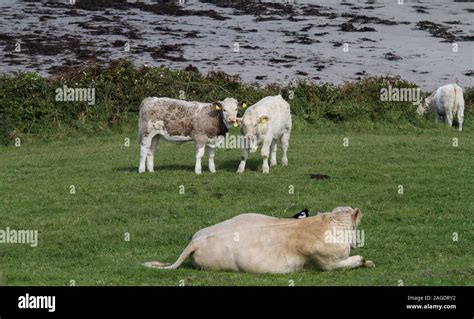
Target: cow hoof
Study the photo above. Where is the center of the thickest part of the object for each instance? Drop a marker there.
(198, 172)
(369, 264)
(212, 171)
(266, 171)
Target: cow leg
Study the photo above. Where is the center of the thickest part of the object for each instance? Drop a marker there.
(151, 153)
(243, 159)
(211, 152)
(265, 152)
(449, 118)
(145, 145)
(460, 120)
(285, 141)
(199, 154)
(273, 151)
(436, 117)
(350, 263)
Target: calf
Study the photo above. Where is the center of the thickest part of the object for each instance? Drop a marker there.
(263, 124)
(181, 121)
(446, 101)
(262, 244)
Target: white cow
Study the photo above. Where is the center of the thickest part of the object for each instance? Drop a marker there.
(257, 243)
(263, 124)
(447, 101)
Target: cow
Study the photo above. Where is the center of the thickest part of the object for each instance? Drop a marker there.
(256, 243)
(180, 121)
(263, 124)
(447, 101)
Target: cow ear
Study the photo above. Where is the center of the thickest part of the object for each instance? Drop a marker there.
(217, 105)
(263, 119)
(243, 104)
(356, 216)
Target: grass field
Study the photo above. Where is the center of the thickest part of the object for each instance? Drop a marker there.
(409, 236)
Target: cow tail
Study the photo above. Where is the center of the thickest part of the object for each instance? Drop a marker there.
(186, 252)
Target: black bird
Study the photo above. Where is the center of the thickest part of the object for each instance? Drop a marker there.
(303, 214)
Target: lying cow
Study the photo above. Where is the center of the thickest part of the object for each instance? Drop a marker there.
(446, 101)
(263, 124)
(262, 244)
(181, 121)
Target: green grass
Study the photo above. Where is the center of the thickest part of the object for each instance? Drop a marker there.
(81, 236)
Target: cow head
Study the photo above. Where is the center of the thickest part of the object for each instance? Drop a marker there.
(356, 216)
(348, 217)
(229, 108)
(252, 128)
(424, 106)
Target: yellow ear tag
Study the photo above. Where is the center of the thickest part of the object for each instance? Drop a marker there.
(263, 121)
(218, 107)
(244, 105)
(236, 124)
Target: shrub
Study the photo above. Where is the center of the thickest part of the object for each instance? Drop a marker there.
(28, 105)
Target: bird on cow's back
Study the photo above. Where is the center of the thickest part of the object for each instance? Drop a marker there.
(303, 214)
